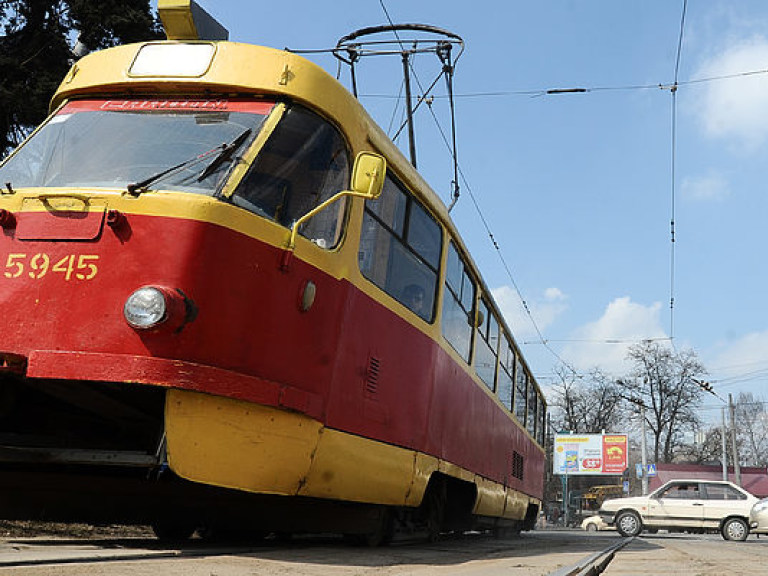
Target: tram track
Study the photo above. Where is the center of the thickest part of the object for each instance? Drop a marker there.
(26, 555)
(594, 564)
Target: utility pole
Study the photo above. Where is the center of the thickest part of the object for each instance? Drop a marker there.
(724, 452)
(734, 449)
(643, 444)
(706, 386)
(644, 449)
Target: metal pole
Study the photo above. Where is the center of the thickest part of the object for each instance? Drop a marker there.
(724, 453)
(644, 449)
(566, 499)
(734, 449)
(409, 107)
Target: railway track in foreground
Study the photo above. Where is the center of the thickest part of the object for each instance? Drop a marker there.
(545, 553)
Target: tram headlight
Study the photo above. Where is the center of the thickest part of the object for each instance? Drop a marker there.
(146, 308)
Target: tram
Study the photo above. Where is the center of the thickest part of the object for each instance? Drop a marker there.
(230, 302)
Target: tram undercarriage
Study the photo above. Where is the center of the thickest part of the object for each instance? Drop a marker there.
(95, 452)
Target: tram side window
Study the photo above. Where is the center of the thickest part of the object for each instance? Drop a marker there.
(458, 304)
(541, 419)
(487, 346)
(400, 248)
(521, 392)
(506, 371)
(304, 162)
(532, 419)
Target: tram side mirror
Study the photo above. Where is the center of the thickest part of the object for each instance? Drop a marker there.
(368, 175)
(367, 182)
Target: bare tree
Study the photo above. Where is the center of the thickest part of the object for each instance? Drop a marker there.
(752, 430)
(663, 380)
(586, 404)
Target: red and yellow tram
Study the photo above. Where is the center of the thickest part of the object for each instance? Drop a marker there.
(229, 301)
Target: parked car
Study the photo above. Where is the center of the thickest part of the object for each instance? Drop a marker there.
(758, 517)
(684, 506)
(595, 523)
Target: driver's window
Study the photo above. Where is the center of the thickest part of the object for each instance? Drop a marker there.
(304, 162)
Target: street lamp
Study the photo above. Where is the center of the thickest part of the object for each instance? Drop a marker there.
(707, 387)
(643, 446)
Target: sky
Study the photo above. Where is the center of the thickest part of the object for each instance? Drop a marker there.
(578, 189)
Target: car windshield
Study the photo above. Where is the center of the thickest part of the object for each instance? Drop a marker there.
(118, 143)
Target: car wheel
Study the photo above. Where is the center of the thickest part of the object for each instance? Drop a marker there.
(735, 529)
(629, 524)
(591, 527)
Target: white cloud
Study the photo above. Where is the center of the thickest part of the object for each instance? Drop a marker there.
(741, 364)
(544, 310)
(605, 342)
(735, 108)
(706, 188)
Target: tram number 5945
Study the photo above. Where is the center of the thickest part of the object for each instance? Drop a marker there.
(36, 266)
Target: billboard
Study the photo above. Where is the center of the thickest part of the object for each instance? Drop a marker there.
(590, 454)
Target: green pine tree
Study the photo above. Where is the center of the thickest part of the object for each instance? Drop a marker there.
(36, 42)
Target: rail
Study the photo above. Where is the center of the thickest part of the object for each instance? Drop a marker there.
(594, 564)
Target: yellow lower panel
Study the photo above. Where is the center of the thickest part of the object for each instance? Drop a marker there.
(516, 505)
(238, 444)
(491, 498)
(423, 468)
(245, 446)
(348, 467)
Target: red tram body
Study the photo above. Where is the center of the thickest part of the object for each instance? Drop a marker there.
(254, 383)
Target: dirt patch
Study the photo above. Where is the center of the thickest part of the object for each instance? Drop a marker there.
(29, 529)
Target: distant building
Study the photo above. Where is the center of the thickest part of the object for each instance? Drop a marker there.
(754, 480)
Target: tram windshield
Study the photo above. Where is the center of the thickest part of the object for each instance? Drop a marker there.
(185, 145)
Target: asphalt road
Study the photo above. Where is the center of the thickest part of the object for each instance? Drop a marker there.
(543, 553)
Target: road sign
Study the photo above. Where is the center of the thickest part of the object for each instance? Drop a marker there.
(651, 470)
(639, 470)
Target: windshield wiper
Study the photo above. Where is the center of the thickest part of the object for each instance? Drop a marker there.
(224, 152)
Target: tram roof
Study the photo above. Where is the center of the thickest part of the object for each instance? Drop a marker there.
(213, 69)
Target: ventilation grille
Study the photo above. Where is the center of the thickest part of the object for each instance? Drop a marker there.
(517, 465)
(372, 375)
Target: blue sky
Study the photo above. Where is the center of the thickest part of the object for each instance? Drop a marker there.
(577, 188)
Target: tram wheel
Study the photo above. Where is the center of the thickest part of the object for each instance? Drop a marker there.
(381, 535)
(169, 531)
(435, 512)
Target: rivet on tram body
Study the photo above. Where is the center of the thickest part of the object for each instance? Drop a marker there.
(7, 219)
(308, 296)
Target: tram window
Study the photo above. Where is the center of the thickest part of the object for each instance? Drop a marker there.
(487, 343)
(506, 371)
(400, 249)
(542, 419)
(114, 143)
(531, 421)
(422, 233)
(521, 391)
(304, 162)
(458, 305)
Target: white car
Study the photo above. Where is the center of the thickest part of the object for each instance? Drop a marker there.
(758, 517)
(594, 523)
(684, 506)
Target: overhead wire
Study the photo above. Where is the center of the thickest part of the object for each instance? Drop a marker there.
(543, 341)
(534, 92)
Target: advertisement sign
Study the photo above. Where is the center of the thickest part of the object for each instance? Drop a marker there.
(590, 454)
